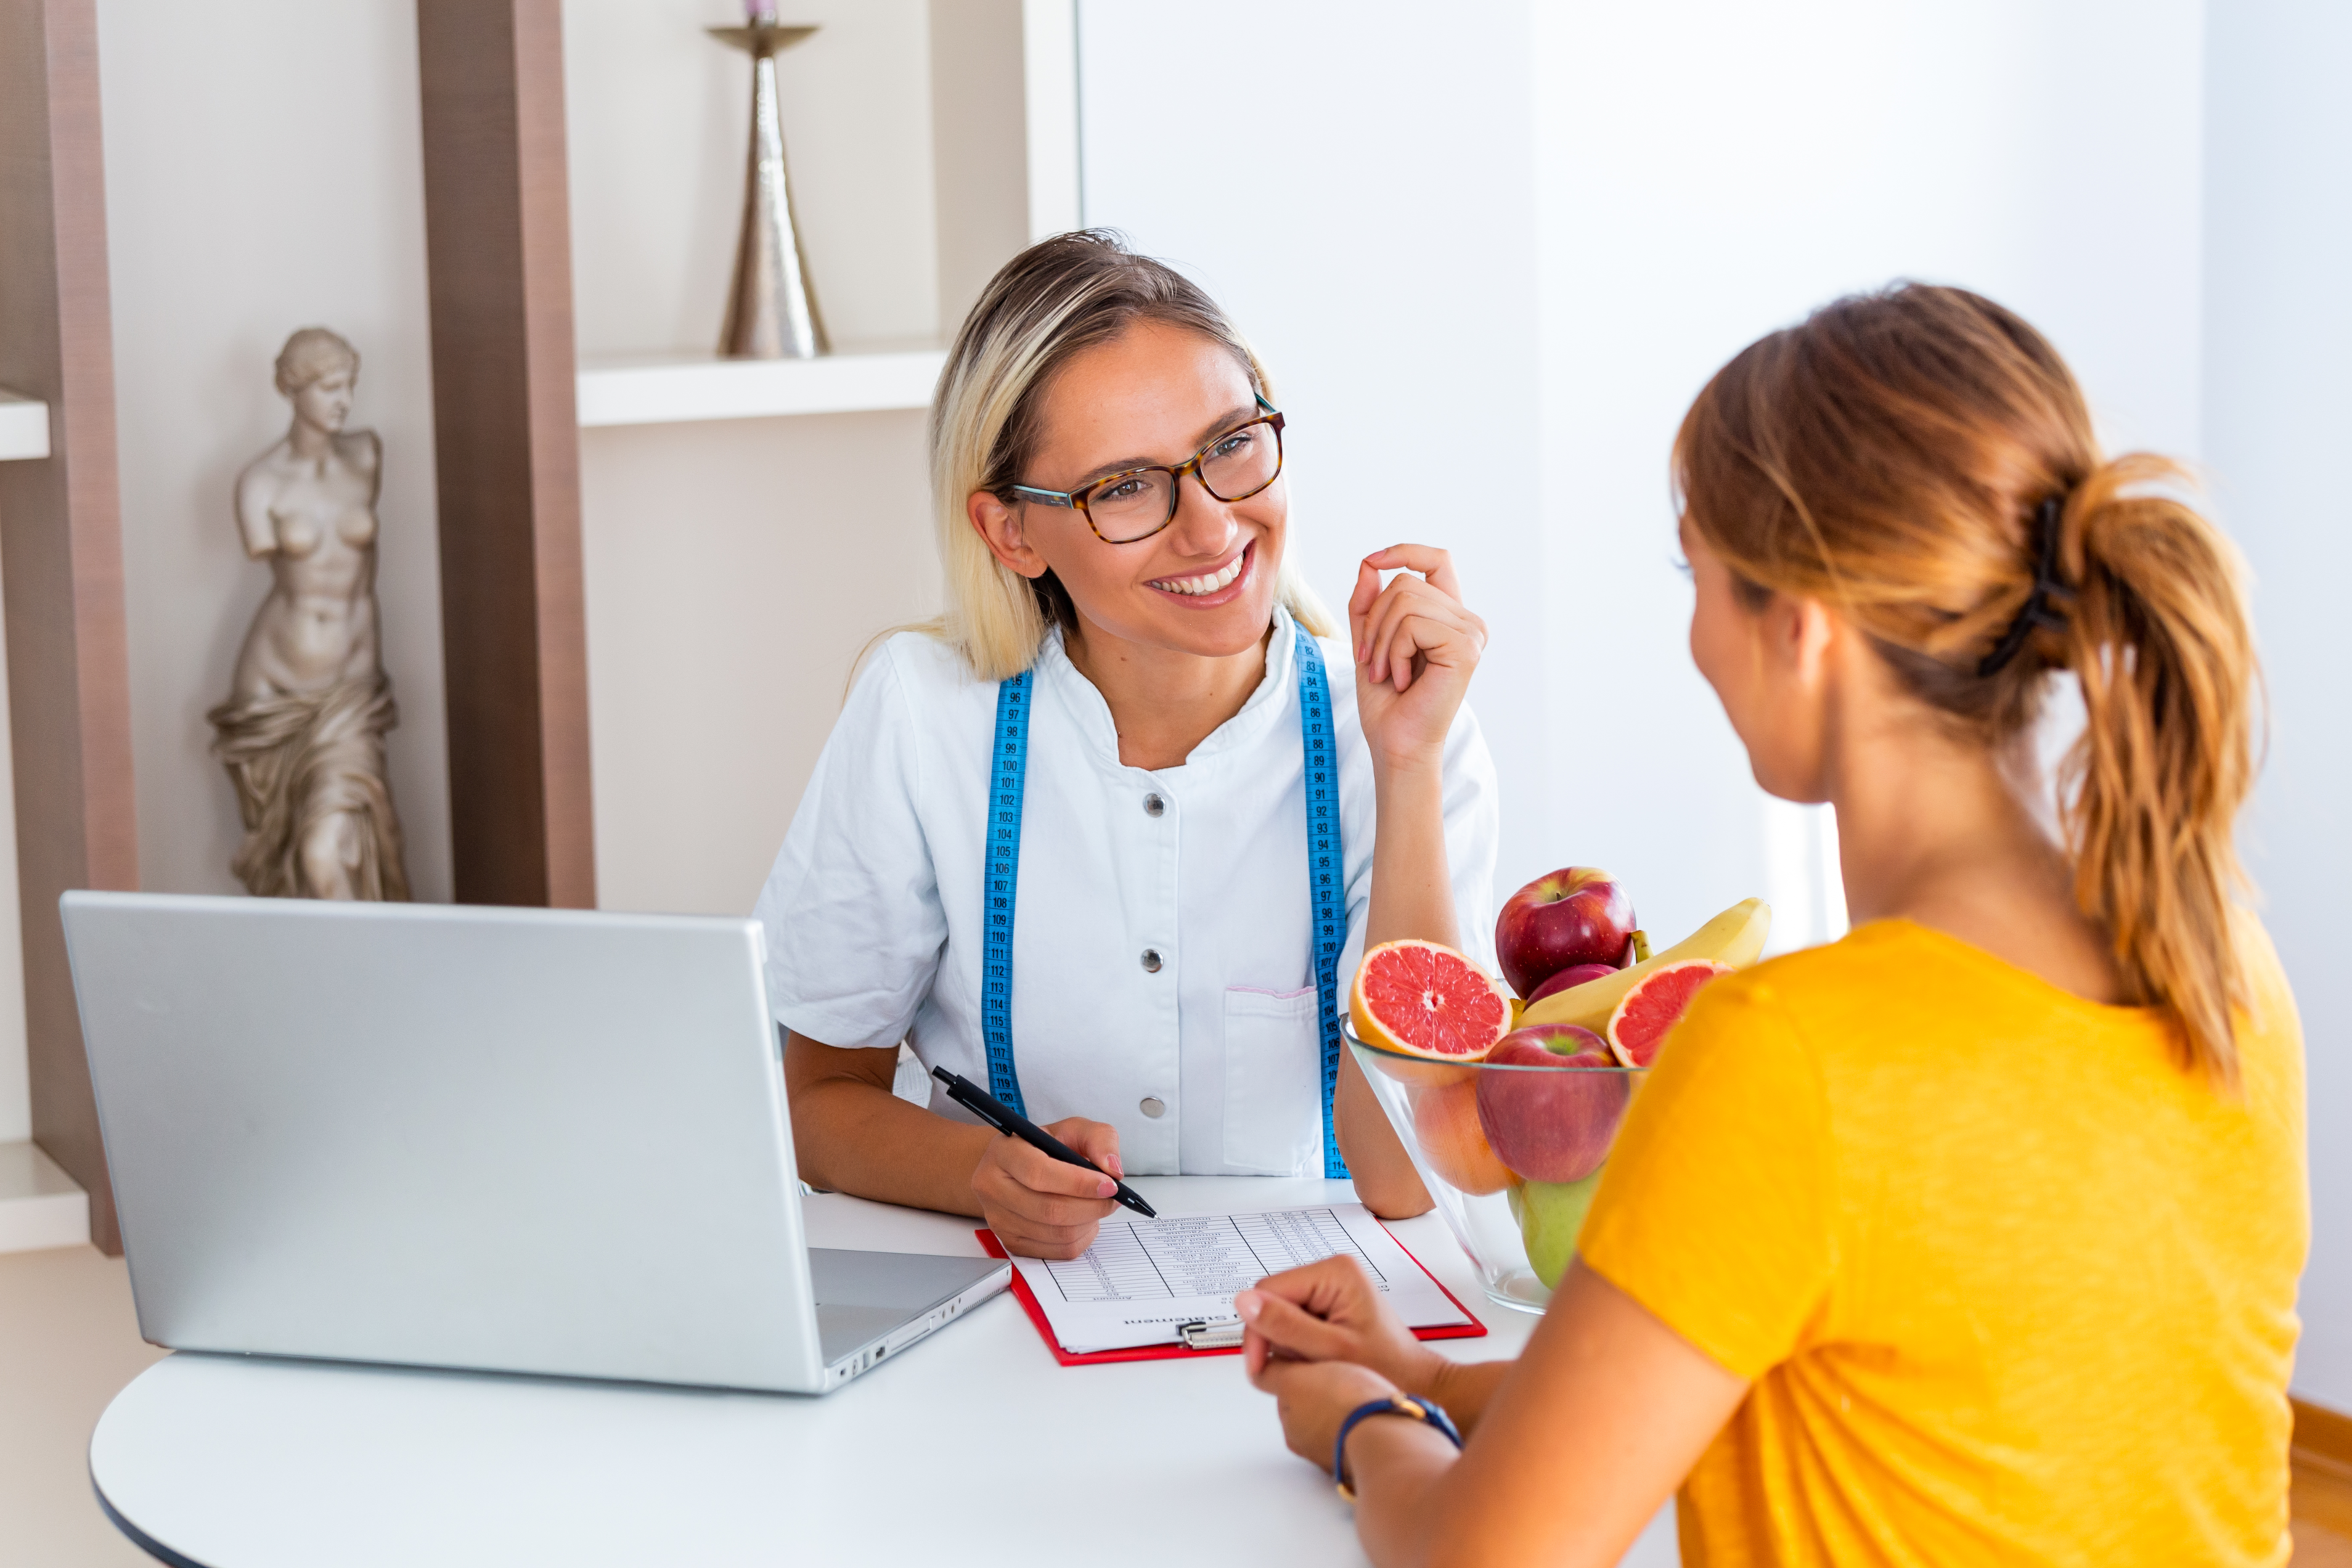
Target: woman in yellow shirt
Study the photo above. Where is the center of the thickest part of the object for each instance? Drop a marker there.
(1973, 1237)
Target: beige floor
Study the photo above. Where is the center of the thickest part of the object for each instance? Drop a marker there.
(67, 1341)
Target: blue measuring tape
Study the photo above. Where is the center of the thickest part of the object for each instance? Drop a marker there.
(1008, 768)
(1326, 879)
(1327, 873)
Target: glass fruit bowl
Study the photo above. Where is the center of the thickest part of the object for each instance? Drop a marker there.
(1510, 1152)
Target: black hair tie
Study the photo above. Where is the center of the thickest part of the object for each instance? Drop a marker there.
(2038, 611)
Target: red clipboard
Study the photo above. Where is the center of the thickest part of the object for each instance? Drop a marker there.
(1472, 1330)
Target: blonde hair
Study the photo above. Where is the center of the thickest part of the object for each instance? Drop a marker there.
(1050, 302)
(1891, 455)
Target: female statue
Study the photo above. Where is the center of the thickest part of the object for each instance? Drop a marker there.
(303, 731)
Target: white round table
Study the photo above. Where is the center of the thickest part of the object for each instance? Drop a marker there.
(976, 1448)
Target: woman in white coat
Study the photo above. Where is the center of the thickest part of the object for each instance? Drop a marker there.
(1109, 837)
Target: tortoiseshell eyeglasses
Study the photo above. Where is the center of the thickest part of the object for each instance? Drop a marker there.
(1136, 503)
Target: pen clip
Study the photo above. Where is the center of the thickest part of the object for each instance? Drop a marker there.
(1225, 1336)
(969, 1095)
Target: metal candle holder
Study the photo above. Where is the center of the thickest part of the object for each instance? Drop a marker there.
(771, 313)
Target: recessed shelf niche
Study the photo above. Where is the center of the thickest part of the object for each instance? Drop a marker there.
(663, 392)
(748, 526)
(23, 426)
(926, 141)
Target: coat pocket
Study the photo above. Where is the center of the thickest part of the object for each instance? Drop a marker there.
(1273, 1083)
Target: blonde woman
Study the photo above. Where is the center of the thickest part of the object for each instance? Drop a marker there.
(1972, 1238)
(1109, 837)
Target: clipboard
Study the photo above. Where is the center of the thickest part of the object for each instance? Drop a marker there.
(1176, 1350)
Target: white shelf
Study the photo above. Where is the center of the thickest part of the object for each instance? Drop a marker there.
(23, 426)
(672, 392)
(40, 1206)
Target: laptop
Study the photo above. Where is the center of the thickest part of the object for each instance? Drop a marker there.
(525, 1141)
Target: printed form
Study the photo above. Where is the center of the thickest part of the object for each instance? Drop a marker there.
(1143, 1277)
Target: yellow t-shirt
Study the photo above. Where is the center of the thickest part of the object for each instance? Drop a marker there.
(2013, 1285)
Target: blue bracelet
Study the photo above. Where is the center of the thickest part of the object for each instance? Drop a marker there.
(1420, 1410)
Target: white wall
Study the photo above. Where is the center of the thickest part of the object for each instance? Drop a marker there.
(1709, 171)
(263, 173)
(2279, 335)
(1353, 183)
(1547, 225)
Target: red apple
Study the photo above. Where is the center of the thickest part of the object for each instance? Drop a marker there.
(1574, 975)
(1546, 1124)
(1574, 916)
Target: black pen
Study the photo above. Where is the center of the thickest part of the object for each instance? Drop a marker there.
(1012, 1123)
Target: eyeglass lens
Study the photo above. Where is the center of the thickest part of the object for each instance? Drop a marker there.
(1236, 466)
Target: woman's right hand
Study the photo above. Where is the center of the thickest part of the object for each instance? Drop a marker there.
(1329, 1311)
(1417, 645)
(1040, 1207)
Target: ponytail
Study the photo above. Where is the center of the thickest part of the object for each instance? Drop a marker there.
(2157, 637)
(1923, 459)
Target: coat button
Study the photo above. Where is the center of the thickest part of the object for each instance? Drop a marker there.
(1153, 1106)
(1153, 805)
(1150, 961)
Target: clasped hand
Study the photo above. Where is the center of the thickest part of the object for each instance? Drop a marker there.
(1322, 1340)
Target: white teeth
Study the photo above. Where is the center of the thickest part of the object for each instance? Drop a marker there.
(1208, 584)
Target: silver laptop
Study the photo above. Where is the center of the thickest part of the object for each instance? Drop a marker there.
(509, 1140)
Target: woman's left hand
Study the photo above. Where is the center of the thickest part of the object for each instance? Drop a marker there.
(1416, 645)
(1330, 1310)
(1312, 1397)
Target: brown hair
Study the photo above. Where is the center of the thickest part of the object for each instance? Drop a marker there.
(1890, 456)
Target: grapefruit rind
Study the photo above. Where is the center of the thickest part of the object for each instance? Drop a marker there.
(1424, 999)
(1653, 1005)
(1734, 937)
(1446, 1129)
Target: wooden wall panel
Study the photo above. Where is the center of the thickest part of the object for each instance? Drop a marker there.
(507, 446)
(61, 551)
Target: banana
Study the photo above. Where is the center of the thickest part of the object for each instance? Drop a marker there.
(1734, 937)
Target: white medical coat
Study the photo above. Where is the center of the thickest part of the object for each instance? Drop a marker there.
(873, 910)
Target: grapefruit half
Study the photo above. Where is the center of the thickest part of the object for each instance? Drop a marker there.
(1420, 999)
(1445, 1125)
(1650, 1008)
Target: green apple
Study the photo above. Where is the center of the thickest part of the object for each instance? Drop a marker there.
(1550, 1213)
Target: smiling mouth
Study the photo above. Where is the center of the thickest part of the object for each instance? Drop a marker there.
(1209, 583)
